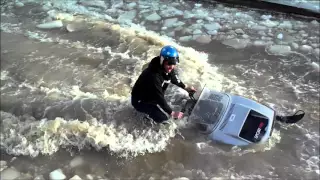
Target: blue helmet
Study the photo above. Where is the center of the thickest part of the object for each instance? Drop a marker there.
(169, 54)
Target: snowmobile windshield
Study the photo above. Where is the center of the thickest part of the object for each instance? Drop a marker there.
(210, 107)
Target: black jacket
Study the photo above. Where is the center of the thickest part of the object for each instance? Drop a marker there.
(152, 84)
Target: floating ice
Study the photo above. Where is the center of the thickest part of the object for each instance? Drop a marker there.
(188, 14)
(131, 5)
(285, 25)
(77, 161)
(51, 25)
(316, 52)
(280, 36)
(239, 31)
(306, 48)
(258, 27)
(204, 39)
(127, 16)
(153, 17)
(294, 45)
(94, 3)
(260, 43)
(73, 27)
(19, 4)
(75, 177)
(212, 26)
(266, 17)
(269, 23)
(170, 12)
(170, 22)
(279, 49)
(57, 175)
(208, 18)
(9, 173)
(214, 32)
(185, 38)
(197, 31)
(236, 43)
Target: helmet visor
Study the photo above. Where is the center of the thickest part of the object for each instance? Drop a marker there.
(172, 60)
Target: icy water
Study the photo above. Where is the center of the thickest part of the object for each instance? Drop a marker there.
(65, 90)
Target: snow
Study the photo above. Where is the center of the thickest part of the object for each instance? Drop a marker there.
(153, 17)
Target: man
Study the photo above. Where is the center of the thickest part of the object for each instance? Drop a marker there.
(147, 95)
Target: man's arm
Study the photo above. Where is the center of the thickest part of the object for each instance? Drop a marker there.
(176, 80)
(159, 96)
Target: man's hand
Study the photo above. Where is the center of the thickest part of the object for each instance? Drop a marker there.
(177, 114)
(190, 89)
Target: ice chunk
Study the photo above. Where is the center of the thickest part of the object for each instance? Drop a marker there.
(294, 45)
(208, 18)
(171, 11)
(181, 178)
(204, 39)
(197, 31)
(153, 17)
(285, 25)
(258, 27)
(315, 22)
(185, 38)
(266, 17)
(316, 52)
(64, 16)
(77, 161)
(39, 177)
(187, 15)
(280, 36)
(279, 49)
(57, 175)
(236, 43)
(214, 32)
(315, 66)
(197, 5)
(127, 16)
(306, 48)
(131, 5)
(239, 31)
(9, 173)
(51, 25)
(75, 177)
(260, 43)
(269, 23)
(170, 22)
(245, 36)
(94, 3)
(89, 176)
(19, 4)
(212, 26)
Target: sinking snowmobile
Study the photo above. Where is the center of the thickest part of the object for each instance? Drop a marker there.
(233, 119)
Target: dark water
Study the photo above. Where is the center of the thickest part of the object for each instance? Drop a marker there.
(65, 95)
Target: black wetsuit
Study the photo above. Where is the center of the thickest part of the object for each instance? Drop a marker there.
(147, 95)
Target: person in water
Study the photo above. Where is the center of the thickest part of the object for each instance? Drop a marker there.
(147, 94)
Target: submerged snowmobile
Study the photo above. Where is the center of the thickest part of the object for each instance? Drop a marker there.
(233, 119)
